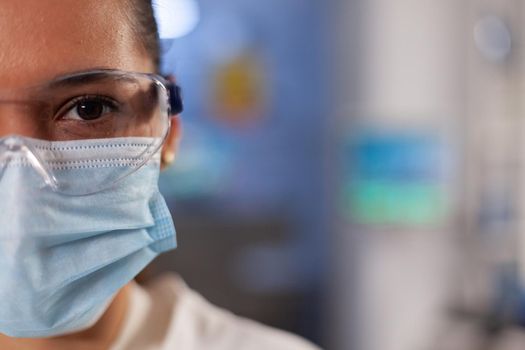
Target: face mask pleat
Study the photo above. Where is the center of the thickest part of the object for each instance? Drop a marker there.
(63, 256)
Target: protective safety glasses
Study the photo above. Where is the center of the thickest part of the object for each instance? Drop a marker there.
(108, 117)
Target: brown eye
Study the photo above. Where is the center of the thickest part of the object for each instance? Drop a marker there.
(89, 108)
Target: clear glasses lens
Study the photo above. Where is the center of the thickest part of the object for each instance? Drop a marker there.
(102, 105)
(123, 116)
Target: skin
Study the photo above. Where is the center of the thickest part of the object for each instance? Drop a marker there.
(40, 40)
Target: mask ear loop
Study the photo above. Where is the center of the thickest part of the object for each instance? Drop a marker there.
(14, 145)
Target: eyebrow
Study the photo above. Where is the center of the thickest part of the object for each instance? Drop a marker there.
(80, 78)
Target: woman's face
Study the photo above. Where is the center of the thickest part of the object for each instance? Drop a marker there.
(43, 39)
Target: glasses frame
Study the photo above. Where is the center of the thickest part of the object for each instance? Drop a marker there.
(173, 90)
(173, 101)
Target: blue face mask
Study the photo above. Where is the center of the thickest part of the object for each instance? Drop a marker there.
(63, 258)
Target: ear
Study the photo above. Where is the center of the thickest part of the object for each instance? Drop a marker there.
(171, 145)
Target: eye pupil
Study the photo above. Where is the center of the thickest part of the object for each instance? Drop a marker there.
(90, 109)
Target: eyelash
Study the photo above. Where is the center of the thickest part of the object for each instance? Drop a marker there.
(71, 103)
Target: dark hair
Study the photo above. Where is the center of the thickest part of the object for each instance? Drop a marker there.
(145, 26)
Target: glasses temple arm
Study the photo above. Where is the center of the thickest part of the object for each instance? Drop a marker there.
(175, 98)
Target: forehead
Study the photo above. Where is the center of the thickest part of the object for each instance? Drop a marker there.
(41, 39)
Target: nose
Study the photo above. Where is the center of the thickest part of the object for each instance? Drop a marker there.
(24, 119)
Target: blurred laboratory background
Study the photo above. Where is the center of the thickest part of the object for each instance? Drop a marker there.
(353, 170)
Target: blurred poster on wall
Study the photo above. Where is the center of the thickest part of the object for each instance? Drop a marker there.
(394, 179)
(238, 90)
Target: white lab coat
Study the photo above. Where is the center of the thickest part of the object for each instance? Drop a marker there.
(167, 315)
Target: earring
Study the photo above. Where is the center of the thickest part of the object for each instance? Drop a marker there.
(167, 158)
